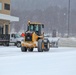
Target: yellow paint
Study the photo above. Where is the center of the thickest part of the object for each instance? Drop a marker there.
(29, 44)
(32, 44)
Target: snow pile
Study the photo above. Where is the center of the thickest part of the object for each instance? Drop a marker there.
(67, 42)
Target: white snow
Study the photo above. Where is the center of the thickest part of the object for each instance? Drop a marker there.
(58, 61)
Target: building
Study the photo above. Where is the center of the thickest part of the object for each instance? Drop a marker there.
(5, 17)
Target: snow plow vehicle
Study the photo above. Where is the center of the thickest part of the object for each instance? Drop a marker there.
(34, 38)
(53, 41)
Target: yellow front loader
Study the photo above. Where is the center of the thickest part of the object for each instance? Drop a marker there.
(34, 38)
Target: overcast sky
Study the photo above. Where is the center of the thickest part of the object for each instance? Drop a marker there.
(41, 4)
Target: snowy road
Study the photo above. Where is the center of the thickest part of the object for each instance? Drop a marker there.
(58, 61)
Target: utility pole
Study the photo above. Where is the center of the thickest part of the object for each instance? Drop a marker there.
(68, 18)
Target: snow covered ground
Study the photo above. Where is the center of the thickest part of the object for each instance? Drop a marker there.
(58, 61)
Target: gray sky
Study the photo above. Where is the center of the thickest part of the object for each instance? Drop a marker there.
(41, 4)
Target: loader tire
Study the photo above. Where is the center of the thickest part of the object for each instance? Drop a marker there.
(40, 45)
(23, 49)
(30, 49)
(47, 45)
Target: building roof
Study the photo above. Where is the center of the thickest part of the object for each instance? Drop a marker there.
(8, 17)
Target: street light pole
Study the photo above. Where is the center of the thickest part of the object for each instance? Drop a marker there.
(68, 18)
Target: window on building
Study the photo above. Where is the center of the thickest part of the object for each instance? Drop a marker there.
(7, 6)
(0, 6)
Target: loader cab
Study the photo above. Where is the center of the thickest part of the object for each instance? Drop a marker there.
(35, 27)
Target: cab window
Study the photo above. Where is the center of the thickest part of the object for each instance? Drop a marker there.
(36, 28)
